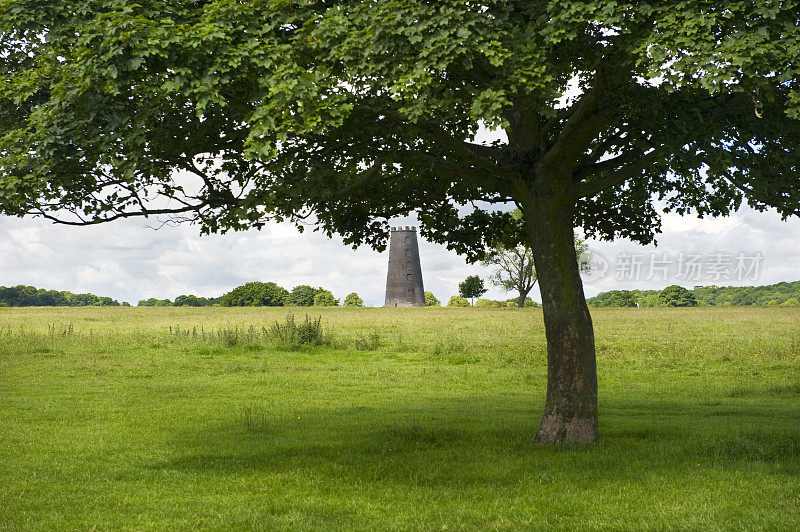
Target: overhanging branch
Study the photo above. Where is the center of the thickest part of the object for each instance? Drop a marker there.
(591, 188)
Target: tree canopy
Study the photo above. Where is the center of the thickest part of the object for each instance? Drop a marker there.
(353, 300)
(431, 300)
(255, 294)
(30, 296)
(352, 110)
(677, 296)
(302, 296)
(324, 298)
(471, 287)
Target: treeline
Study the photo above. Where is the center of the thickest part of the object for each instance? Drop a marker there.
(781, 294)
(258, 294)
(180, 301)
(458, 301)
(30, 296)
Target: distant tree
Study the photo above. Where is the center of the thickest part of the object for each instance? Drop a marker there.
(190, 301)
(622, 298)
(324, 298)
(471, 287)
(678, 296)
(650, 300)
(255, 294)
(27, 296)
(791, 302)
(458, 301)
(489, 303)
(30, 296)
(153, 302)
(353, 300)
(431, 301)
(302, 296)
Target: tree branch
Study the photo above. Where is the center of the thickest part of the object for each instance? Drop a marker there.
(608, 164)
(128, 214)
(591, 188)
(591, 113)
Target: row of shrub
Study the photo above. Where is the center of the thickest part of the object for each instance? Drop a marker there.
(458, 301)
(781, 294)
(180, 301)
(30, 296)
(258, 294)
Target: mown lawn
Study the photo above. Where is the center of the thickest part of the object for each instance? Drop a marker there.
(152, 419)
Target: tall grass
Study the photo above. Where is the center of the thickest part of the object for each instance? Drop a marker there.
(293, 335)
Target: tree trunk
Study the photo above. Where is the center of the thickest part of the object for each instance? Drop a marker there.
(570, 414)
(521, 300)
(523, 294)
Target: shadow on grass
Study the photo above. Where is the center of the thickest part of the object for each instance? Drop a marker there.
(479, 442)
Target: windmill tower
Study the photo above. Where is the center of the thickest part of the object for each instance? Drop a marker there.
(404, 279)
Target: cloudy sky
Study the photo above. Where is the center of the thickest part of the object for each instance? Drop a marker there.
(129, 261)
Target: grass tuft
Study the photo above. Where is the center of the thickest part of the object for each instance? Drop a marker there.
(293, 335)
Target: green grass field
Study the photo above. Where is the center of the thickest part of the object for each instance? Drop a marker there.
(152, 419)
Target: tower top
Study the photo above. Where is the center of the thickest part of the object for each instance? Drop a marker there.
(406, 228)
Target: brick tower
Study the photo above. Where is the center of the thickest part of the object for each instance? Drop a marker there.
(404, 279)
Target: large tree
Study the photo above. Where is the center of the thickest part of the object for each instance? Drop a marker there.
(344, 114)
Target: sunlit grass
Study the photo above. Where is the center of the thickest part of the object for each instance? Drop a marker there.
(410, 418)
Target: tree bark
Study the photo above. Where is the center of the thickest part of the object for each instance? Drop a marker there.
(570, 414)
(523, 294)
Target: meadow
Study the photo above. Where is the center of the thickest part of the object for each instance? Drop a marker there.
(181, 418)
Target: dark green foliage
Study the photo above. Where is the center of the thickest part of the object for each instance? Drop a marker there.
(194, 301)
(431, 301)
(324, 298)
(775, 294)
(153, 302)
(101, 101)
(29, 296)
(616, 298)
(255, 294)
(302, 296)
(677, 296)
(353, 300)
(471, 287)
